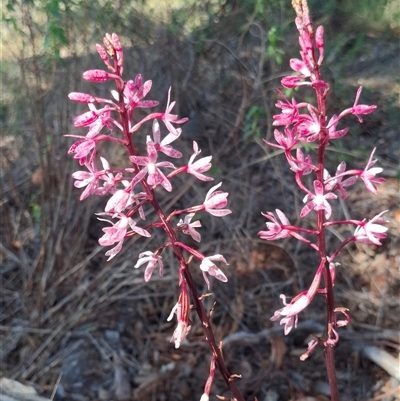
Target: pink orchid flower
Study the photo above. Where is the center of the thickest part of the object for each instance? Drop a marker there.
(289, 313)
(371, 232)
(216, 201)
(117, 232)
(275, 227)
(200, 166)
(152, 260)
(207, 266)
(319, 201)
(368, 174)
(154, 175)
(188, 228)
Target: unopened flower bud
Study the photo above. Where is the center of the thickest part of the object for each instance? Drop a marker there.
(102, 52)
(118, 48)
(104, 56)
(319, 37)
(81, 97)
(107, 41)
(96, 76)
(291, 81)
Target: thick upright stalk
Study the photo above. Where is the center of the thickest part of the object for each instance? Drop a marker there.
(321, 241)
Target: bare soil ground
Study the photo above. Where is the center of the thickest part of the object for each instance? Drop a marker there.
(83, 329)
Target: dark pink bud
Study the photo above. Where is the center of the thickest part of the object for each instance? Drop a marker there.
(115, 41)
(291, 82)
(118, 48)
(81, 97)
(319, 37)
(85, 119)
(319, 41)
(104, 56)
(96, 76)
(102, 52)
(363, 109)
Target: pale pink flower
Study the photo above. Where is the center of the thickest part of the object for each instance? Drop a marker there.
(216, 201)
(333, 132)
(119, 201)
(319, 42)
(276, 228)
(118, 49)
(154, 175)
(88, 179)
(104, 56)
(169, 118)
(301, 164)
(290, 112)
(289, 313)
(200, 166)
(85, 119)
(152, 260)
(181, 308)
(309, 126)
(285, 142)
(134, 92)
(188, 228)
(368, 174)
(124, 198)
(300, 66)
(84, 150)
(207, 266)
(117, 232)
(335, 183)
(359, 109)
(371, 232)
(164, 146)
(319, 201)
(104, 120)
(110, 181)
(180, 333)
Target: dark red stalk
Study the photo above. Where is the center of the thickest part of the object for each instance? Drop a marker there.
(321, 242)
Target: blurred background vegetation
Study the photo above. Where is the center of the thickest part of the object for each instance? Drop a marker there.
(224, 59)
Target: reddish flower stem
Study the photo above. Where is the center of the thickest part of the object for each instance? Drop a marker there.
(321, 242)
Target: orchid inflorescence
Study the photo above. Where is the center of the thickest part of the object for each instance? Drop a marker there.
(120, 184)
(304, 123)
(131, 190)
